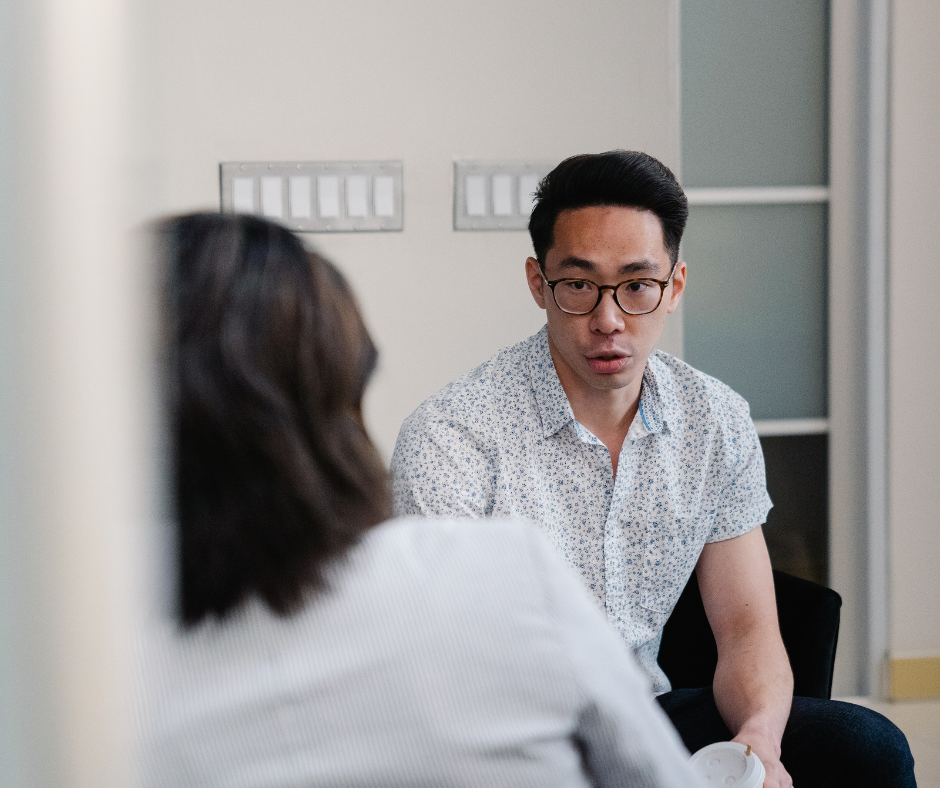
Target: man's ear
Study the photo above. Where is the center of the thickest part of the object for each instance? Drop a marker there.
(678, 286)
(533, 275)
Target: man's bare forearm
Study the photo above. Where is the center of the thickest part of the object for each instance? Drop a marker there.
(753, 683)
(754, 686)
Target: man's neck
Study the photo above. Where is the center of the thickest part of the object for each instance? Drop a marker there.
(607, 416)
(607, 413)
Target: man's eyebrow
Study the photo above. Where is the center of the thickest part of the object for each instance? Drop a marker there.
(579, 263)
(642, 266)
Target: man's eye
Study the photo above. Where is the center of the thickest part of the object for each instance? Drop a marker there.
(577, 285)
(638, 287)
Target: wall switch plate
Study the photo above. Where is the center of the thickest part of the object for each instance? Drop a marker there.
(494, 195)
(317, 196)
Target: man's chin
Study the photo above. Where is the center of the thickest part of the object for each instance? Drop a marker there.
(610, 381)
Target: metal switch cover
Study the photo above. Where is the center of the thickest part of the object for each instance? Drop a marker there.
(317, 196)
(493, 195)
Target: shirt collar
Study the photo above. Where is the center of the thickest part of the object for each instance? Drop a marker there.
(658, 408)
(550, 398)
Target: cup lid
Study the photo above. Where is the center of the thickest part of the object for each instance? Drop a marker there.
(727, 764)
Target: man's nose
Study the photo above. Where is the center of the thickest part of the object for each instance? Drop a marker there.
(607, 317)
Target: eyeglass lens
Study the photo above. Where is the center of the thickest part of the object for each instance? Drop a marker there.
(580, 296)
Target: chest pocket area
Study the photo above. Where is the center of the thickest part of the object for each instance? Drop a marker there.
(671, 551)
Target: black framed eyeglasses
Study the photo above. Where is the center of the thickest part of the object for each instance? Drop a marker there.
(635, 296)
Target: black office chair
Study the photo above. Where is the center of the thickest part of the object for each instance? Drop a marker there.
(809, 625)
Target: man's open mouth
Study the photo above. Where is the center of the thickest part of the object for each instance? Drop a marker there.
(607, 363)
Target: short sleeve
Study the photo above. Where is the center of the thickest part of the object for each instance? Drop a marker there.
(742, 501)
(441, 468)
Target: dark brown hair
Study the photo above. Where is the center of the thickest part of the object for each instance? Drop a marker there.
(273, 470)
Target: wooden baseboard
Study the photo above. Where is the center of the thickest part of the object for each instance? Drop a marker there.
(912, 679)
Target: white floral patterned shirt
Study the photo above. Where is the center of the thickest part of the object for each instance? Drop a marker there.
(502, 441)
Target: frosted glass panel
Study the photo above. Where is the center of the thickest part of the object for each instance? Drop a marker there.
(755, 304)
(754, 92)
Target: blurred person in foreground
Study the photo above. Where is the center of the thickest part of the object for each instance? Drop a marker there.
(316, 644)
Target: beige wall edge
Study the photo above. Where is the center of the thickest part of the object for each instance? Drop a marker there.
(914, 330)
(915, 679)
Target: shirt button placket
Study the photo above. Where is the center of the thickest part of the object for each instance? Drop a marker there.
(614, 547)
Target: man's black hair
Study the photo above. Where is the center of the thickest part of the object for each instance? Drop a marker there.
(619, 177)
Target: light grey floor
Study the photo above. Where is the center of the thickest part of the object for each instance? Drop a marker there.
(920, 721)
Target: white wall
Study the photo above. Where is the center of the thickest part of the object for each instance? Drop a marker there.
(214, 81)
(425, 82)
(914, 331)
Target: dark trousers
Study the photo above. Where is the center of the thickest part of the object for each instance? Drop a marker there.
(826, 743)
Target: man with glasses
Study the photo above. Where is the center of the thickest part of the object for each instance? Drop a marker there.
(639, 468)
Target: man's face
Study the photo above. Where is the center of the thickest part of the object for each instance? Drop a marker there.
(606, 349)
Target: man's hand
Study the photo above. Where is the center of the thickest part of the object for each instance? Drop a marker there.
(769, 753)
(753, 683)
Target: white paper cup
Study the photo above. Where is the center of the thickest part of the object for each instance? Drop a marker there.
(725, 764)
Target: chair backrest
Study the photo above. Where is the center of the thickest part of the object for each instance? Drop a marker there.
(809, 625)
